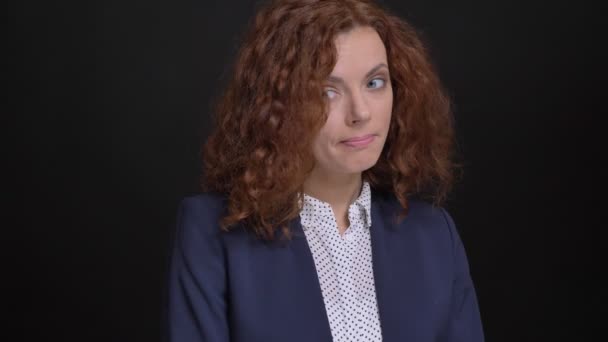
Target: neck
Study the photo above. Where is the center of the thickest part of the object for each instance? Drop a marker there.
(338, 190)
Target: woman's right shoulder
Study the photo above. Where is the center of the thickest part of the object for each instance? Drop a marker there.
(205, 201)
(201, 210)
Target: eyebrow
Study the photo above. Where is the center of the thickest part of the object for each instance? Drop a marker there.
(369, 73)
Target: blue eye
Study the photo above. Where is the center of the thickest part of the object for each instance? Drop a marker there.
(378, 82)
(330, 93)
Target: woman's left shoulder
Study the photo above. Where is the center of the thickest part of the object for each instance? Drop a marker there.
(433, 224)
(420, 212)
(428, 221)
(429, 212)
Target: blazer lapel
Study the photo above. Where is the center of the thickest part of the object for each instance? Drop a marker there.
(308, 286)
(387, 285)
(404, 295)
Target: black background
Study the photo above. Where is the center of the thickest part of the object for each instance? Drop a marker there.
(110, 100)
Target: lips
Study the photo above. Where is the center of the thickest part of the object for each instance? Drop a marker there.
(359, 142)
(358, 139)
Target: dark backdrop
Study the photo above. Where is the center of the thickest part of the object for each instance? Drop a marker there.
(110, 101)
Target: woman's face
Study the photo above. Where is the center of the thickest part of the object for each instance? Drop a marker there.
(360, 98)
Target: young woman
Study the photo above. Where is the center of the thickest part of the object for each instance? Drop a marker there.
(320, 217)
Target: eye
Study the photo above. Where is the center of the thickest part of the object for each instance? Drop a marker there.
(330, 93)
(376, 83)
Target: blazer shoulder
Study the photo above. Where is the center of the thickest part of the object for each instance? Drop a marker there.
(428, 211)
(209, 201)
(423, 217)
(419, 210)
(202, 210)
(436, 221)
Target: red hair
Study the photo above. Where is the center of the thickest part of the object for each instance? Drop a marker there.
(260, 152)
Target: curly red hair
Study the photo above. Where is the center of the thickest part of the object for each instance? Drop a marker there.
(266, 119)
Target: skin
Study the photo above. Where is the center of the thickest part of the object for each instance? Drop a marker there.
(360, 98)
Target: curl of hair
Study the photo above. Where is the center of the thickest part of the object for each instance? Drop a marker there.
(260, 154)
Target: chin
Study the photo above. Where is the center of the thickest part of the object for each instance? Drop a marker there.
(363, 166)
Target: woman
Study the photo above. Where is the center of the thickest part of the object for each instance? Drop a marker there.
(320, 218)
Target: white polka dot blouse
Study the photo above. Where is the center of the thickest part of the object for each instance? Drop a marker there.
(344, 267)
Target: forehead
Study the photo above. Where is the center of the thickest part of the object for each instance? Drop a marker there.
(359, 50)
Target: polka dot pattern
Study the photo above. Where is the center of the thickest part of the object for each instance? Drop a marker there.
(344, 267)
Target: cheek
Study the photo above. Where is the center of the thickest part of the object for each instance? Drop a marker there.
(385, 107)
(389, 110)
(321, 141)
(387, 101)
(330, 130)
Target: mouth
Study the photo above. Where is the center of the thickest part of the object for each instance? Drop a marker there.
(359, 141)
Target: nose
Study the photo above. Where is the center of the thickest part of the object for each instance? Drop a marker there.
(359, 109)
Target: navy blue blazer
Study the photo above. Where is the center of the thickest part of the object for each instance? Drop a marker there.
(234, 287)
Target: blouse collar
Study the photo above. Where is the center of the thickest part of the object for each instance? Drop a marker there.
(315, 208)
